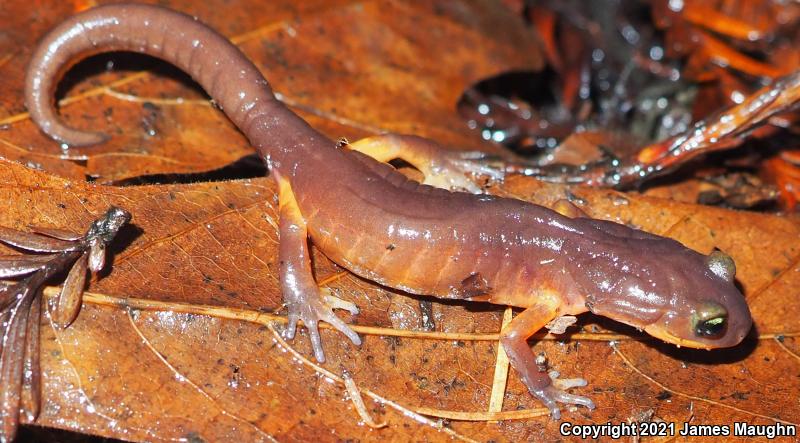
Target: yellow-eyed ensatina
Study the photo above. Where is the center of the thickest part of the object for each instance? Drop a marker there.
(371, 219)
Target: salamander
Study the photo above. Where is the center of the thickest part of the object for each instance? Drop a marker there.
(368, 217)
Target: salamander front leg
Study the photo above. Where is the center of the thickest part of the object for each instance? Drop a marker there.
(442, 168)
(301, 293)
(546, 387)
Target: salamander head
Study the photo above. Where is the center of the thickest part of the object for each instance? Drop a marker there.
(672, 292)
(712, 313)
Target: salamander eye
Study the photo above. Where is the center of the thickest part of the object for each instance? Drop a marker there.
(710, 320)
(711, 328)
(722, 265)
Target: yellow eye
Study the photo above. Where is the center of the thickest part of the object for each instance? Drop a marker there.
(710, 319)
(722, 265)
(711, 327)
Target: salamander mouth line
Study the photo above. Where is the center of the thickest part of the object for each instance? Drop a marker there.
(666, 336)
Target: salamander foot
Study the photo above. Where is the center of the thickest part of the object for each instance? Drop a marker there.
(555, 393)
(311, 309)
(454, 170)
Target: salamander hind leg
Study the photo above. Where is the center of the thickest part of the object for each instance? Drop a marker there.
(442, 168)
(305, 300)
(544, 386)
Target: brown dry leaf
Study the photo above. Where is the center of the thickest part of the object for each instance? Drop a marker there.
(178, 342)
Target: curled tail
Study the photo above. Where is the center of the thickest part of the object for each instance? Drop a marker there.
(217, 65)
